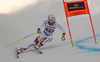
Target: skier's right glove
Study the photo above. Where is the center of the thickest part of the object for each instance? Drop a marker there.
(63, 37)
(38, 31)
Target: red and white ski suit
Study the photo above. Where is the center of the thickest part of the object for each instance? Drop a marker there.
(47, 34)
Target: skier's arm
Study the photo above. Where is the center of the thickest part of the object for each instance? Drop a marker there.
(63, 31)
(40, 27)
(61, 28)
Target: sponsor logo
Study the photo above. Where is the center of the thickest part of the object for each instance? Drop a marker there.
(76, 6)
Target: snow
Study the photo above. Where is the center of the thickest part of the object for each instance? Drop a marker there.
(18, 25)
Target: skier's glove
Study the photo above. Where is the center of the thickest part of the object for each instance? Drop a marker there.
(63, 37)
(38, 31)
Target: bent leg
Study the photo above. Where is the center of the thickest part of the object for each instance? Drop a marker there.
(46, 40)
(40, 38)
(27, 46)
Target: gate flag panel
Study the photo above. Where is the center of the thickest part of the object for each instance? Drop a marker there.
(75, 8)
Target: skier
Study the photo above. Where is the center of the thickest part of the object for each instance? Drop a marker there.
(46, 36)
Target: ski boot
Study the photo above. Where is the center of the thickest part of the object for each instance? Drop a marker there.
(37, 46)
(20, 51)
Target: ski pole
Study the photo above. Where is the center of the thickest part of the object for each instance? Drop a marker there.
(20, 40)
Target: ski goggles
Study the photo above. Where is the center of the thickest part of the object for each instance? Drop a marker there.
(52, 20)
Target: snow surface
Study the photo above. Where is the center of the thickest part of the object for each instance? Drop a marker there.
(18, 25)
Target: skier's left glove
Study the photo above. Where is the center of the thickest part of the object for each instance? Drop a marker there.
(63, 37)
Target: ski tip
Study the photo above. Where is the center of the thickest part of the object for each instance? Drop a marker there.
(40, 52)
(17, 53)
(17, 56)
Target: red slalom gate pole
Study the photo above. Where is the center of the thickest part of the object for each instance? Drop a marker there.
(93, 29)
(91, 22)
(70, 32)
(68, 24)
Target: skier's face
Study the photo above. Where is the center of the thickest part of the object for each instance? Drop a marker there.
(52, 21)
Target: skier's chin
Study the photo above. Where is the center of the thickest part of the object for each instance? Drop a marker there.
(51, 23)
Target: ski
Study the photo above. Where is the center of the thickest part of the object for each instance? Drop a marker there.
(35, 48)
(38, 51)
(17, 53)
